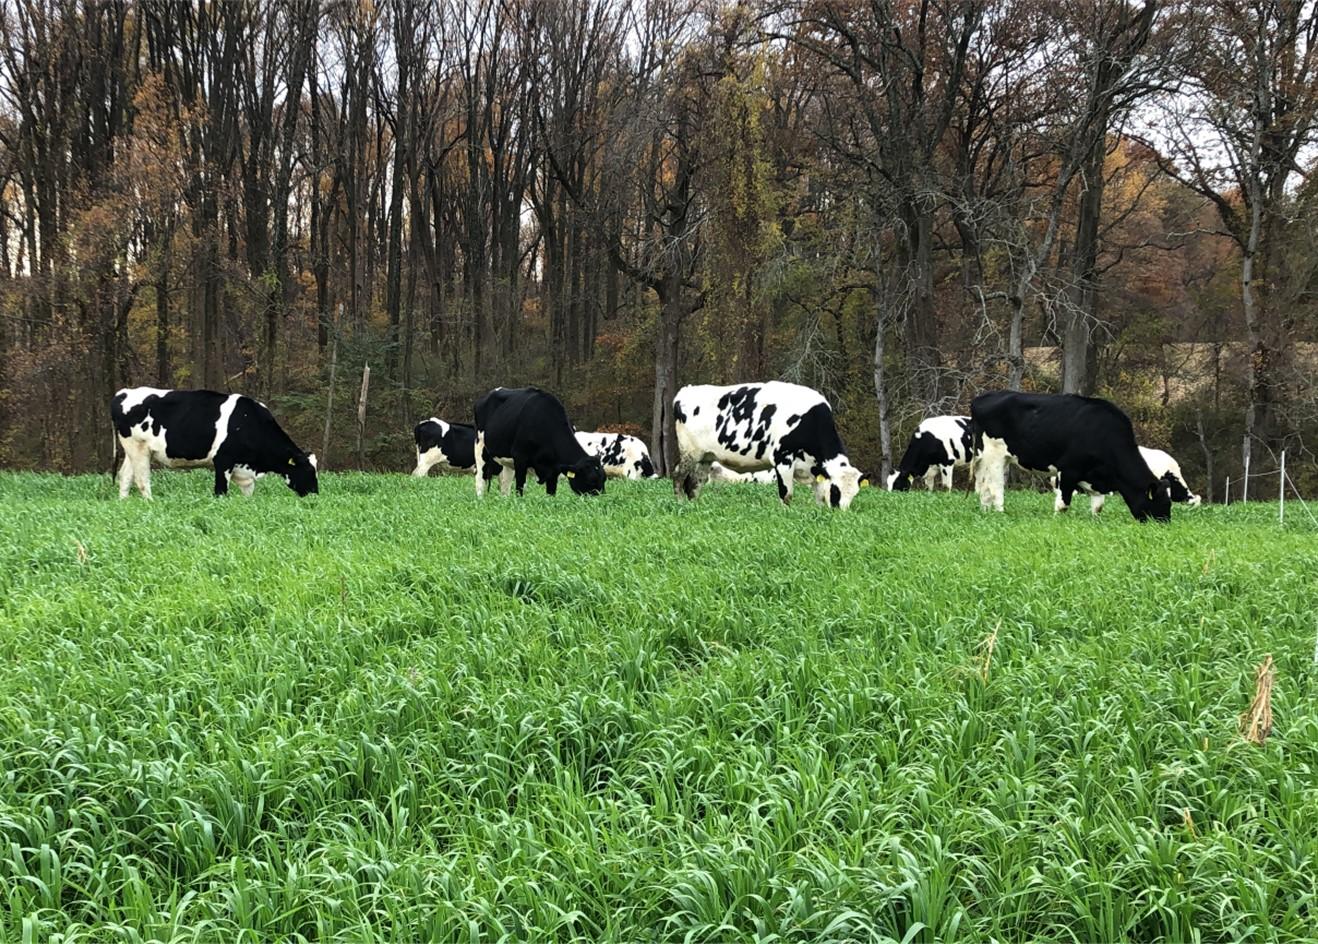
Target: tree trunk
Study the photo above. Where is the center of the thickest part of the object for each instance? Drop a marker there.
(921, 318)
(663, 436)
(1079, 351)
(162, 324)
(881, 393)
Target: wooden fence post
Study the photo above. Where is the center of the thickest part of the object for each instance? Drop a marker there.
(329, 400)
(361, 414)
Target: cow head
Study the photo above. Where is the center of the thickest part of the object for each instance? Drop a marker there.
(837, 481)
(899, 481)
(1153, 501)
(300, 474)
(586, 477)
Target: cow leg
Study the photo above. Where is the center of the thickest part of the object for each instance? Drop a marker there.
(683, 484)
(991, 474)
(483, 473)
(947, 477)
(1096, 503)
(126, 475)
(142, 471)
(221, 480)
(422, 465)
(782, 469)
(246, 484)
(1065, 490)
(689, 476)
(519, 474)
(505, 481)
(700, 476)
(551, 482)
(931, 478)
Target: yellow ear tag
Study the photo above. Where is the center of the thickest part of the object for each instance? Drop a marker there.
(864, 483)
(292, 462)
(571, 475)
(819, 478)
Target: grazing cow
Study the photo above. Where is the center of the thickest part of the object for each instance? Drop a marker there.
(234, 434)
(527, 428)
(939, 445)
(1079, 439)
(451, 446)
(783, 427)
(1163, 467)
(623, 456)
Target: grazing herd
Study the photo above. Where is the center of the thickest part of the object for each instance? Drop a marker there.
(770, 433)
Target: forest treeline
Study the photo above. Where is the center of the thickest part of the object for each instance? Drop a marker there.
(899, 203)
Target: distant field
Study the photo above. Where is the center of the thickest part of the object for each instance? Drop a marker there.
(392, 713)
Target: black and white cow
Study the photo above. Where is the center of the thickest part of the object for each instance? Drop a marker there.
(623, 456)
(232, 433)
(1163, 467)
(527, 428)
(749, 427)
(938, 445)
(451, 446)
(1079, 439)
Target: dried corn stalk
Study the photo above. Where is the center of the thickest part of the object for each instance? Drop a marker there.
(1256, 721)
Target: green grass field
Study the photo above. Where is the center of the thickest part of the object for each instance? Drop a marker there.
(392, 713)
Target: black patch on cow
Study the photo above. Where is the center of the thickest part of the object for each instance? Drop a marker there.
(695, 411)
(834, 496)
(530, 427)
(678, 414)
(646, 467)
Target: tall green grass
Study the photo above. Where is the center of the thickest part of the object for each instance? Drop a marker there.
(391, 712)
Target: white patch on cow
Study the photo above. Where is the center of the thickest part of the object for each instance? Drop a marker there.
(990, 472)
